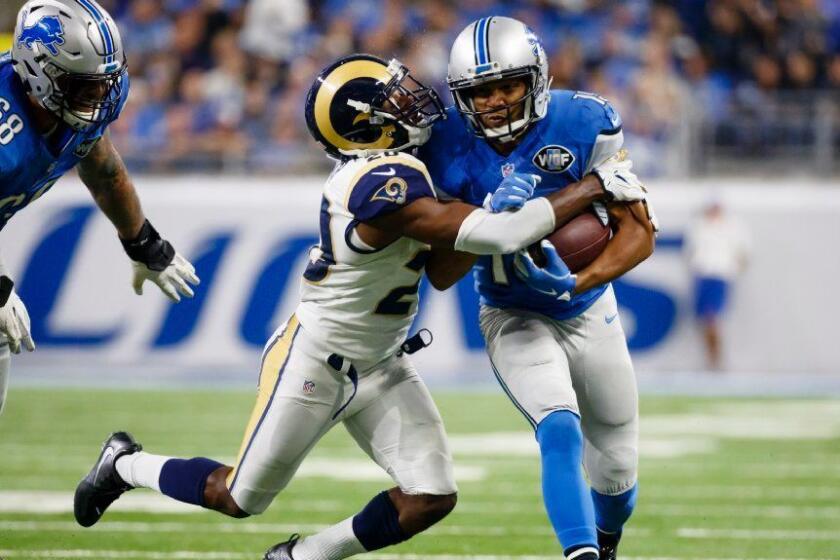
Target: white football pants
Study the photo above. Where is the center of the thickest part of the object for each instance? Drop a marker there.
(580, 364)
(391, 416)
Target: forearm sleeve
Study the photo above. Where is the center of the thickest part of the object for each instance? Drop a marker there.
(484, 233)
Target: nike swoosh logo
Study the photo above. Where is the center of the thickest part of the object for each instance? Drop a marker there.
(390, 173)
(610, 318)
(108, 453)
(555, 294)
(552, 292)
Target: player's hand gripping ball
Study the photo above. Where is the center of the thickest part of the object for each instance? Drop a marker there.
(554, 279)
(617, 179)
(578, 242)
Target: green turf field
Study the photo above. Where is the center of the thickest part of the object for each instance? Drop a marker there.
(719, 479)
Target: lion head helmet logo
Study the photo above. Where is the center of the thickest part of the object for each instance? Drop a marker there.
(47, 31)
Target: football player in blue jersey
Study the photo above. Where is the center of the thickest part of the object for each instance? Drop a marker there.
(554, 338)
(61, 85)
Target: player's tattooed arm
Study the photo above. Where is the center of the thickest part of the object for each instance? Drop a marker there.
(446, 266)
(106, 177)
(468, 228)
(153, 258)
(632, 242)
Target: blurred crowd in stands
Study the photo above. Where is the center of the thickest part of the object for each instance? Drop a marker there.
(221, 83)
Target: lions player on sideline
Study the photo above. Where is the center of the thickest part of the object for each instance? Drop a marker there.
(61, 85)
(341, 357)
(562, 360)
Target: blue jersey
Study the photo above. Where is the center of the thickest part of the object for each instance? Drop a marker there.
(29, 163)
(579, 131)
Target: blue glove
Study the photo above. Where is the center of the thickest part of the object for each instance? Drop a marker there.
(554, 280)
(512, 192)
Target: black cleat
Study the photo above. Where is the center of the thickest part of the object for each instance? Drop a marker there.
(103, 484)
(282, 551)
(608, 543)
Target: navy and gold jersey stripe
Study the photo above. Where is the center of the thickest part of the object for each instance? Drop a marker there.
(274, 363)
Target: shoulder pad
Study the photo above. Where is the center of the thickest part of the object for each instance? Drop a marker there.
(584, 115)
(386, 183)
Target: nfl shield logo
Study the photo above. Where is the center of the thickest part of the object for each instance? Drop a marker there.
(507, 169)
(308, 387)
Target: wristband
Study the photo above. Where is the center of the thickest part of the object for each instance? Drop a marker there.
(6, 285)
(149, 248)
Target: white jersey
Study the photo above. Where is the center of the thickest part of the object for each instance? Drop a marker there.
(717, 247)
(361, 302)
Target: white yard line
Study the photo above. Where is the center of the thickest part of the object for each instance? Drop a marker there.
(47, 502)
(254, 528)
(199, 555)
(444, 529)
(661, 490)
(140, 554)
(753, 534)
(769, 511)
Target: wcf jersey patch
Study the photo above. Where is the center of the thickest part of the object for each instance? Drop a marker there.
(554, 158)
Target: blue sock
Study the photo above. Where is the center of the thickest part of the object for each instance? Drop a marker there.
(185, 479)
(611, 512)
(378, 525)
(565, 492)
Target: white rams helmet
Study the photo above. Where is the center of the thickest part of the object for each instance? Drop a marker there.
(498, 48)
(70, 57)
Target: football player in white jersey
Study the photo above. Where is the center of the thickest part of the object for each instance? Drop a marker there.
(342, 355)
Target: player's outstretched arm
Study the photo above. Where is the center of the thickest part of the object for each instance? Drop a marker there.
(105, 175)
(154, 258)
(633, 241)
(475, 230)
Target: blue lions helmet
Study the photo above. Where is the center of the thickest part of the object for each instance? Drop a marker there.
(69, 55)
(361, 105)
(493, 49)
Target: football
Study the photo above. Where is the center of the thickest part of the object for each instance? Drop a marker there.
(578, 242)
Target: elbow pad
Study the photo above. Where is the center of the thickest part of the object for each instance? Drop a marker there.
(484, 233)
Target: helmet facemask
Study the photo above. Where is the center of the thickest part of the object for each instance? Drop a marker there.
(84, 100)
(405, 105)
(464, 92)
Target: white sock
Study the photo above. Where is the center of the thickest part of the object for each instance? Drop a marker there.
(141, 469)
(333, 543)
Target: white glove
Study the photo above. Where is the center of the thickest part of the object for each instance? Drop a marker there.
(617, 179)
(14, 324)
(173, 280)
